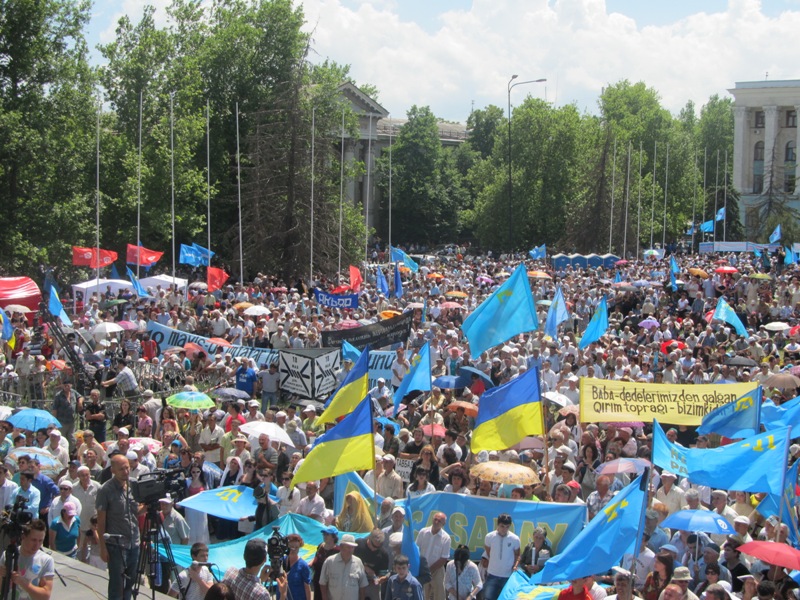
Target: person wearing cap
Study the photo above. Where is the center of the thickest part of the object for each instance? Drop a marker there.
(65, 495)
(248, 582)
(310, 422)
(710, 556)
(54, 448)
(67, 403)
(683, 579)
(173, 522)
(343, 575)
(719, 504)
(389, 484)
(328, 547)
(434, 546)
(669, 494)
(375, 558)
(253, 413)
(125, 379)
(741, 525)
(65, 530)
(381, 396)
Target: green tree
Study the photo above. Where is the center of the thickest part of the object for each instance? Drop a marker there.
(484, 125)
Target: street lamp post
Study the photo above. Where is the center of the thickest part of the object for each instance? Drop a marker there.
(511, 86)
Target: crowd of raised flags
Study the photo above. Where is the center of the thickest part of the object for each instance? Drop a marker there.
(533, 332)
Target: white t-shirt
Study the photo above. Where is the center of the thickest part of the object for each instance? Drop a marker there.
(502, 553)
(36, 569)
(193, 591)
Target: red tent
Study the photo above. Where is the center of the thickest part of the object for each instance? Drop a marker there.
(20, 290)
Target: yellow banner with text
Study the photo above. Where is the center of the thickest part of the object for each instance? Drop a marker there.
(606, 401)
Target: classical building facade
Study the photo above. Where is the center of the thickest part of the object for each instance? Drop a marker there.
(765, 143)
(376, 133)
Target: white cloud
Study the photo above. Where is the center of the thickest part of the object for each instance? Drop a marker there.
(577, 44)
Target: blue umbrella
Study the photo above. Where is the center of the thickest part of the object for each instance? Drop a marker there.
(707, 521)
(486, 379)
(449, 382)
(32, 419)
(229, 392)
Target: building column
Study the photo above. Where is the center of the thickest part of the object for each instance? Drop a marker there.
(349, 182)
(796, 150)
(771, 152)
(740, 167)
(370, 163)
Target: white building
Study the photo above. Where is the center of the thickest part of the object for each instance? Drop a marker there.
(765, 143)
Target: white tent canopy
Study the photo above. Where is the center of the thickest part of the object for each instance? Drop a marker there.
(87, 288)
(164, 281)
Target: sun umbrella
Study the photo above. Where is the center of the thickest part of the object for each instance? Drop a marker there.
(435, 276)
(192, 349)
(433, 429)
(219, 342)
(105, 328)
(449, 382)
(794, 330)
(153, 445)
(57, 365)
(503, 274)
(279, 290)
(467, 372)
(781, 381)
(128, 326)
(257, 311)
(49, 463)
(741, 361)
(456, 294)
(648, 253)
(229, 392)
(621, 262)
(191, 400)
(544, 302)
(698, 273)
(469, 408)
(450, 304)
(624, 286)
(388, 314)
(110, 303)
(721, 261)
(631, 424)
(726, 270)
(415, 305)
(198, 285)
(243, 305)
(671, 346)
(32, 419)
(707, 521)
(777, 326)
(557, 399)
(538, 275)
(505, 472)
(774, 553)
(572, 409)
(275, 433)
(17, 308)
(484, 279)
(623, 465)
(348, 324)
(762, 276)
(649, 323)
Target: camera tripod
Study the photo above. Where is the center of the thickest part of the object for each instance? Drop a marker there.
(154, 538)
(12, 564)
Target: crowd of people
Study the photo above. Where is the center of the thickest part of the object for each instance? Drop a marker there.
(84, 506)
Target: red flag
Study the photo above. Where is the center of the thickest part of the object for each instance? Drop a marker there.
(216, 278)
(355, 279)
(82, 257)
(139, 255)
(106, 258)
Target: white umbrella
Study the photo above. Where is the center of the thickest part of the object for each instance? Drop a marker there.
(275, 433)
(257, 311)
(777, 326)
(105, 328)
(558, 399)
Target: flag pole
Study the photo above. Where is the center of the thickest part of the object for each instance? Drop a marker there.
(97, 193)
(653, 201)
(639, 215)
(208, 178)
(172, 176)
(694, 201)
(725, 201)
(613, 186)
(139, 194)
(391, 127)
(367, 194)
(666, 187)
(311, 236)
(716, 189)
(640, 530)
(544, 435)
(627, 200)
(239, 192)
(341, 204)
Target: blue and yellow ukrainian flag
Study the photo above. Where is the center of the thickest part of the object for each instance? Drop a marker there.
(352, 391)
(349, 446)
(508, 413)
(8, 329)
(737, 419)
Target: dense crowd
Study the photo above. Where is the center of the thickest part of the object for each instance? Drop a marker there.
(77, 480)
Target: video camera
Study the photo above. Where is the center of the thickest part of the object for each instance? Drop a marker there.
(151, 487)
(14, 518)
(277, 549)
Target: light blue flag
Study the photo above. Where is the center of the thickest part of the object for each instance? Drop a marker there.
(398, 282)
(539, 253)
(232, 502)
(114, 272)
(519, 586)
(755, 464)
(785, 415)
(418, 378)
(409, 546)
(8, 328)
(350, 352)
(775, 236)
(618, 278)
(57, 309)
(557, 313)
(603, 541)
(757, 252)
(190, 256)
(737, 419)
(137, 287)
(673, 283)
(724, 312)
(381, 283)
(397, 255)
(691, 230)
(205, 254)
(510, 310)
(597, 326)
(707, 226)
(783, 505)
(789, 258)
(720, 214)
(673, 265)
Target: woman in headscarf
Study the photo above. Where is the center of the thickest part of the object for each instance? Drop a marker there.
(230, 476)
(355, 515)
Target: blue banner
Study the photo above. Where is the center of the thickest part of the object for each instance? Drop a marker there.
(336, 301)
(232, 502)
(519, 587)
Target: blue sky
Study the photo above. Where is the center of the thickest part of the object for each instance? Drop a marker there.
(455, 54)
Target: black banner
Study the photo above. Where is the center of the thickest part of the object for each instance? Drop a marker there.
(385, 333)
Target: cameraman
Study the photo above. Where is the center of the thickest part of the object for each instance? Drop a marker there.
(35, 569)
(249, 581)
(197, 579)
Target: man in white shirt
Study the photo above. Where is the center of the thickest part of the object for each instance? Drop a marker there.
(312, 505)
(210, 438)
(501, 548)
(434, 545)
